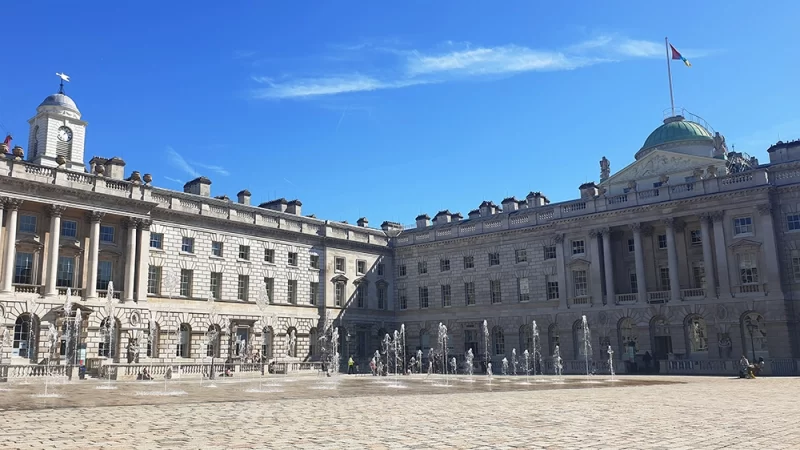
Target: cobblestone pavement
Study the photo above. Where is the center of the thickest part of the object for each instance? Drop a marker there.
(636, 413)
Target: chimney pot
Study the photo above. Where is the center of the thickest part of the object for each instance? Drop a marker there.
(294, 207)
(243, 197)
(362, 222)
(198, 186)
(423, 220)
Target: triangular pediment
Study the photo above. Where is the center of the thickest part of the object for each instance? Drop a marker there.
(339, 279)
(578, 262)
(740, 243)
(662, 162)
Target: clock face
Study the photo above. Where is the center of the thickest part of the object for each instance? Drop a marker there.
(64, 134)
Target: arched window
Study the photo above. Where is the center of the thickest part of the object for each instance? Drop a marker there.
(754, 334)
(660, 334)
(26, 333)
(696, 334)
(291, 342)
(313, 344)
(552, 338)
(109, 338)
(499, 341)
(184, 341)
(266, 342)
(525, 339)
(628, 338)
(152, 340)
(213, 338)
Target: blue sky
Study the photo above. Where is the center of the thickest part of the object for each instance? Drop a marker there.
(392, 109)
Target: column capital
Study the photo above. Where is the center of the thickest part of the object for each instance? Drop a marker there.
(131, 223)
(594, 233)
(765, 209)
(669, 222)
(636, 227)
(704, 216)
(12, 204)
(95, 216)
(144, 224)
(605, 231)
(717, 216)
(559, 238)
(56, 210)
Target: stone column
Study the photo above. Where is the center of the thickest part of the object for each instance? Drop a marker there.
(94, 249)
(608, 264)
(53, 246)
(131, 226)
(770, 253)
(595, 278)
(672, 259)
(2, 216)
(638, 252)
(12, 206)
(721, 249)
(143, 250)
(561, 267)
(708, 256)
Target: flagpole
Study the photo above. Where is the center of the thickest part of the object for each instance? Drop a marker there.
(669, 74)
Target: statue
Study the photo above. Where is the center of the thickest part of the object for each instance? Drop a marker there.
(605, 168)
(720, 149)
(292, 342)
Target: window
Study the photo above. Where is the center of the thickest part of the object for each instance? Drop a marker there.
(23, 268)
(494, 290)
(663, 278)
(631, 245)
(65, 273)
(244, 252)
(27, 224)
(216, 249)
(662, 241)
(523, 289)
(696, 237)
(184, 341)
(793, 222)
(154, 280)
(109, 338)
(552, 290)
(579, 284)
(107, 234)
(499, 341)
(423, 297)
(25, 341)
(338, 264)
(578, 247)
(401, 270)
(742, 226)
(361, 295)
(314, 297)
(314, 261)
(339, 294)
(216, 285)
(444, 265)
(381, 269)
(494, 259)
(748, 268)
(152, 341)
(361, 267)
(157, 240)
(550, 252)
(382, 296)
(186, 282)
(469, 262)
(446, 296)
(187, 245)
(291, 291)
(796, 268)
(521, 255)
(69, 228)
(634, 284)
(422, 267)
(402, 299)
(292, 259)
(469, 293)
(105, 270)
(269, 286)
(269, 255)
(243, 287)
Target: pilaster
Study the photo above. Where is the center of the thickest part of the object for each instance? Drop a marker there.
(608, 265)
(708, 256)
(12, 206)
(721, 250)
(55, 212)
(561, 270)
(143, 250)
(94, 249)
(131, 226)
(770, 252)
(672, 257)
(595, 278)
(638, 251)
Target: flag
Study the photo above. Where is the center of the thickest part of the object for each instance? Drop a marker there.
(677, 55)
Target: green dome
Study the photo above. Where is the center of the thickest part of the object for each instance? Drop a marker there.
(677, 129)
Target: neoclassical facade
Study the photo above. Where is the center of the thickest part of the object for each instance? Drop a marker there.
(691, 255)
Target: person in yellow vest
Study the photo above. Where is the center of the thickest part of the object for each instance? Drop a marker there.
(350, 365)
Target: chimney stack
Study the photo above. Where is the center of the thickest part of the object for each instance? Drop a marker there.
(588, 190)
(392, 229)
(441, 217)
(474, 214)
(275, 205)
(456, 217)
(294, 207)
(536, 200)
(423, 220)
(198, 186)
(510, 204)
(488, 208)
(362, 222)
(243, 197)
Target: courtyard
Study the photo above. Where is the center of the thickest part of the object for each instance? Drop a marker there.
(419, 412)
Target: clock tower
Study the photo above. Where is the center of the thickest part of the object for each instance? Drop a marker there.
(57, 130)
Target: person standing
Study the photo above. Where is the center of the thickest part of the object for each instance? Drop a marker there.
(350, 366)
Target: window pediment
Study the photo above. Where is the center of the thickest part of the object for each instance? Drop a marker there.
(361, 280)
(578, 262)
(110, 251)
(339, 279)
(382, 283)
(744, 243)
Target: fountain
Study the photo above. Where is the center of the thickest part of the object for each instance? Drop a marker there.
(611, 362)
(505, 367)
(527, 356)
(385, 350)
(263, 301)
(486, 352)
(419, 361)
(514, 361)
(587, 344)
(110, 334)
(397, 356)
(470, 368)
(489, 372)
(453, 365)
(557, 362)
(52, 339)
(403, 348)
(536, 348)
(443, 347)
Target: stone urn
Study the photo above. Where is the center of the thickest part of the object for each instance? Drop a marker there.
(147, 178)
(18, 152)
(60, 160)
(3, 148)
(136, 176)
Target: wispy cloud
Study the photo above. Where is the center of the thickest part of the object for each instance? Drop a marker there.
(455, 61)
(180, 163)
(174, 180)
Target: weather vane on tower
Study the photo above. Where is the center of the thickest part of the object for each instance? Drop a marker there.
(64, 77)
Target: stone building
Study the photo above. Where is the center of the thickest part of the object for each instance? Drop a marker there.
(690, 254)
